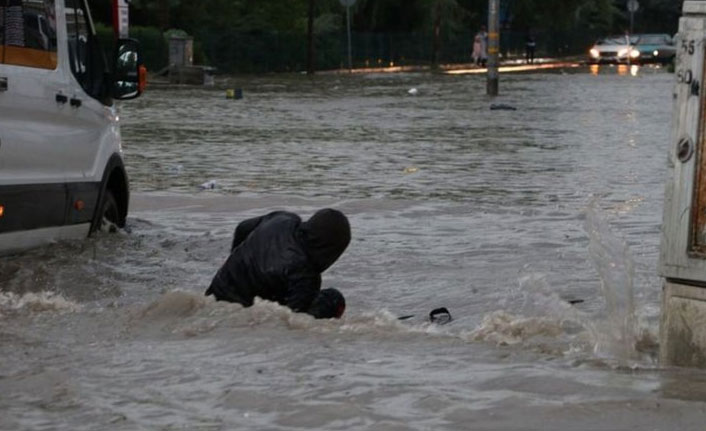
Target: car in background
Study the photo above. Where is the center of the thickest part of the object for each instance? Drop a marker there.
(655, 48)
(633, 49)
(614, 49)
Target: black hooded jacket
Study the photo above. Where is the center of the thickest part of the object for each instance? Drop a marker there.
(280, 258)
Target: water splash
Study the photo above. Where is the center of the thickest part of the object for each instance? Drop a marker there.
(535, 312)
(36, 303)
(504, 328)
(618, 334)
(186, 314)
(535, 317)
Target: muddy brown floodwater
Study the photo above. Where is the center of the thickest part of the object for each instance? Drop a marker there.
(538, 229)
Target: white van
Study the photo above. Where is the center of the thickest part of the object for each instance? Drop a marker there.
(61, 167)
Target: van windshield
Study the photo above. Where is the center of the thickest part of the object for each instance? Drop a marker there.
(28, 33)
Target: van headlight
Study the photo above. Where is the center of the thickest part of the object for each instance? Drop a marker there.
(594, 53)
(655, 53)
(634, 53)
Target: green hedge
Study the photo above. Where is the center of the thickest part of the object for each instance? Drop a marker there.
(233, 51)
(230, 50)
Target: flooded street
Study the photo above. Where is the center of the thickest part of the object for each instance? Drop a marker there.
(537, 228)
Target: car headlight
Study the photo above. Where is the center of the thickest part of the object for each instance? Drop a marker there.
(594, 53)
(634, 53)
(655, 53)
(623, 53)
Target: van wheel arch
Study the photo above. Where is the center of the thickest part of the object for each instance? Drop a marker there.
(114, 191)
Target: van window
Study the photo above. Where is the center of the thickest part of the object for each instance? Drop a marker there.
(85, 55)
(28, 33)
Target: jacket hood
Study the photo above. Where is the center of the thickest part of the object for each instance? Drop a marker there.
(326, 235)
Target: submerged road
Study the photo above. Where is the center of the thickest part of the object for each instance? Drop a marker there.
(537, 228)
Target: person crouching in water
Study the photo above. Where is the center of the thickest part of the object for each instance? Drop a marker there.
(280, 258)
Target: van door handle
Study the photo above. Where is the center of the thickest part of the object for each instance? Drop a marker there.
(75, 102)
(3, 83)
(60, 98)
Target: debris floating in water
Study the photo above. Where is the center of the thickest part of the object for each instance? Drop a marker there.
(234, 93)
(208, 185)
(502, 107)
(410, 169)
(413, 91)
(440, 316)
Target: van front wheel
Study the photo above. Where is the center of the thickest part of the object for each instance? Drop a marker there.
(109, 215)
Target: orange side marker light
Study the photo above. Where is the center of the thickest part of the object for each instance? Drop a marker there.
(2, 210)
(142, 79)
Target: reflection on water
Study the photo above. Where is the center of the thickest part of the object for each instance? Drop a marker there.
(487, 213)
(620, 69)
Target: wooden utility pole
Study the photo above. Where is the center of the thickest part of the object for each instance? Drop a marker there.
(163, 14)
(493, 45)
(347, 4)
(436, 47)
(311, 52)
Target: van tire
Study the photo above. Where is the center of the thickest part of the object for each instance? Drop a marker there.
(108, 216)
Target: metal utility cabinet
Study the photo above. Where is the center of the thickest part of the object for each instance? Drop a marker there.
(683, 247)
(181, 51)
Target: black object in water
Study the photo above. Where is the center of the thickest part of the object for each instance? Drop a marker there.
(440, 316)
(502, 107)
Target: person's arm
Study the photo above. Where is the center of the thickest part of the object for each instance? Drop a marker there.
(243, 230)
(301, 291)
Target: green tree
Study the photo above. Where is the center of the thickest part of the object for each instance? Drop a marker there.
(598, 16)
(310, 61)
(272, 34)
(390, 15)
(154, 12)
(443, 15)
(657, 16)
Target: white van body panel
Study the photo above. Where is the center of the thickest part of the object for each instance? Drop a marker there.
(28, 115)
(94, 137)
(23, 240)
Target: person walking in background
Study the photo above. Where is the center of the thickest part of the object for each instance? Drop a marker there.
(530, 46)
(480, 47)
(280, 258)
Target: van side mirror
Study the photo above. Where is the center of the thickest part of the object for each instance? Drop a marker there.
(129, 74)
